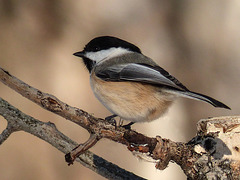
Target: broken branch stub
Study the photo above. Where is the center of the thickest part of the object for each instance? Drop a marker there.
(219, 147)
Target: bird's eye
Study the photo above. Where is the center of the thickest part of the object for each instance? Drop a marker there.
(96, 48)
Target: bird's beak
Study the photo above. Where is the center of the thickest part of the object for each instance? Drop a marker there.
(79, 54)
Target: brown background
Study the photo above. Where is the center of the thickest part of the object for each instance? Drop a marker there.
(196, 41)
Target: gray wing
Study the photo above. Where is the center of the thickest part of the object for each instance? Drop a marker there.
(140, 73)
(152, 75)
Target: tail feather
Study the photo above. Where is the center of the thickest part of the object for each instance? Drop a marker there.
(198, 96)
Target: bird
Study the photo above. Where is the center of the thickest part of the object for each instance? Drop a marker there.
(131, 85)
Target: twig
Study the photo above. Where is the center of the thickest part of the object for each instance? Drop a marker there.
(6, 133)
(81, 148)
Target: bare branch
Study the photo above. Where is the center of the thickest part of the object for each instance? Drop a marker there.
(81, 148)
(164, 150)
(46, 101)
(97, 126)
(102, 129)
(49, 133)
(6, 133)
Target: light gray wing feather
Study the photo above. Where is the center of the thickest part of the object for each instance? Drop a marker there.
(139, 73)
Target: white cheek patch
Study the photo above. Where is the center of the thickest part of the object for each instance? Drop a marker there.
(103, 54)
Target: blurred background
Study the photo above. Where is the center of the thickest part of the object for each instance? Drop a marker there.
(196, 41)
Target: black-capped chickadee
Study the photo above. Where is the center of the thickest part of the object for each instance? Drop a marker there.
(131, 85)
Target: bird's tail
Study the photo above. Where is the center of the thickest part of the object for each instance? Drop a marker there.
(198, 96)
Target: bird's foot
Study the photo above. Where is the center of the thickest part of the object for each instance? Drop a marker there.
(128, 126)
(111, 120)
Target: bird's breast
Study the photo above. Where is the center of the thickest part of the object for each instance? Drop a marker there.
(132, 101)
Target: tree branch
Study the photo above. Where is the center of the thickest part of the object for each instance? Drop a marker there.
(164, 150)
(6, 133)
(49, 133)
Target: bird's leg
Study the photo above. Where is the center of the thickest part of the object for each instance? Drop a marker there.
(111, 120)
(120, 122)
(128, 126)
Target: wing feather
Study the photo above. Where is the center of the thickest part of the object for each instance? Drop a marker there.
(140, 73)
(152, 75)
